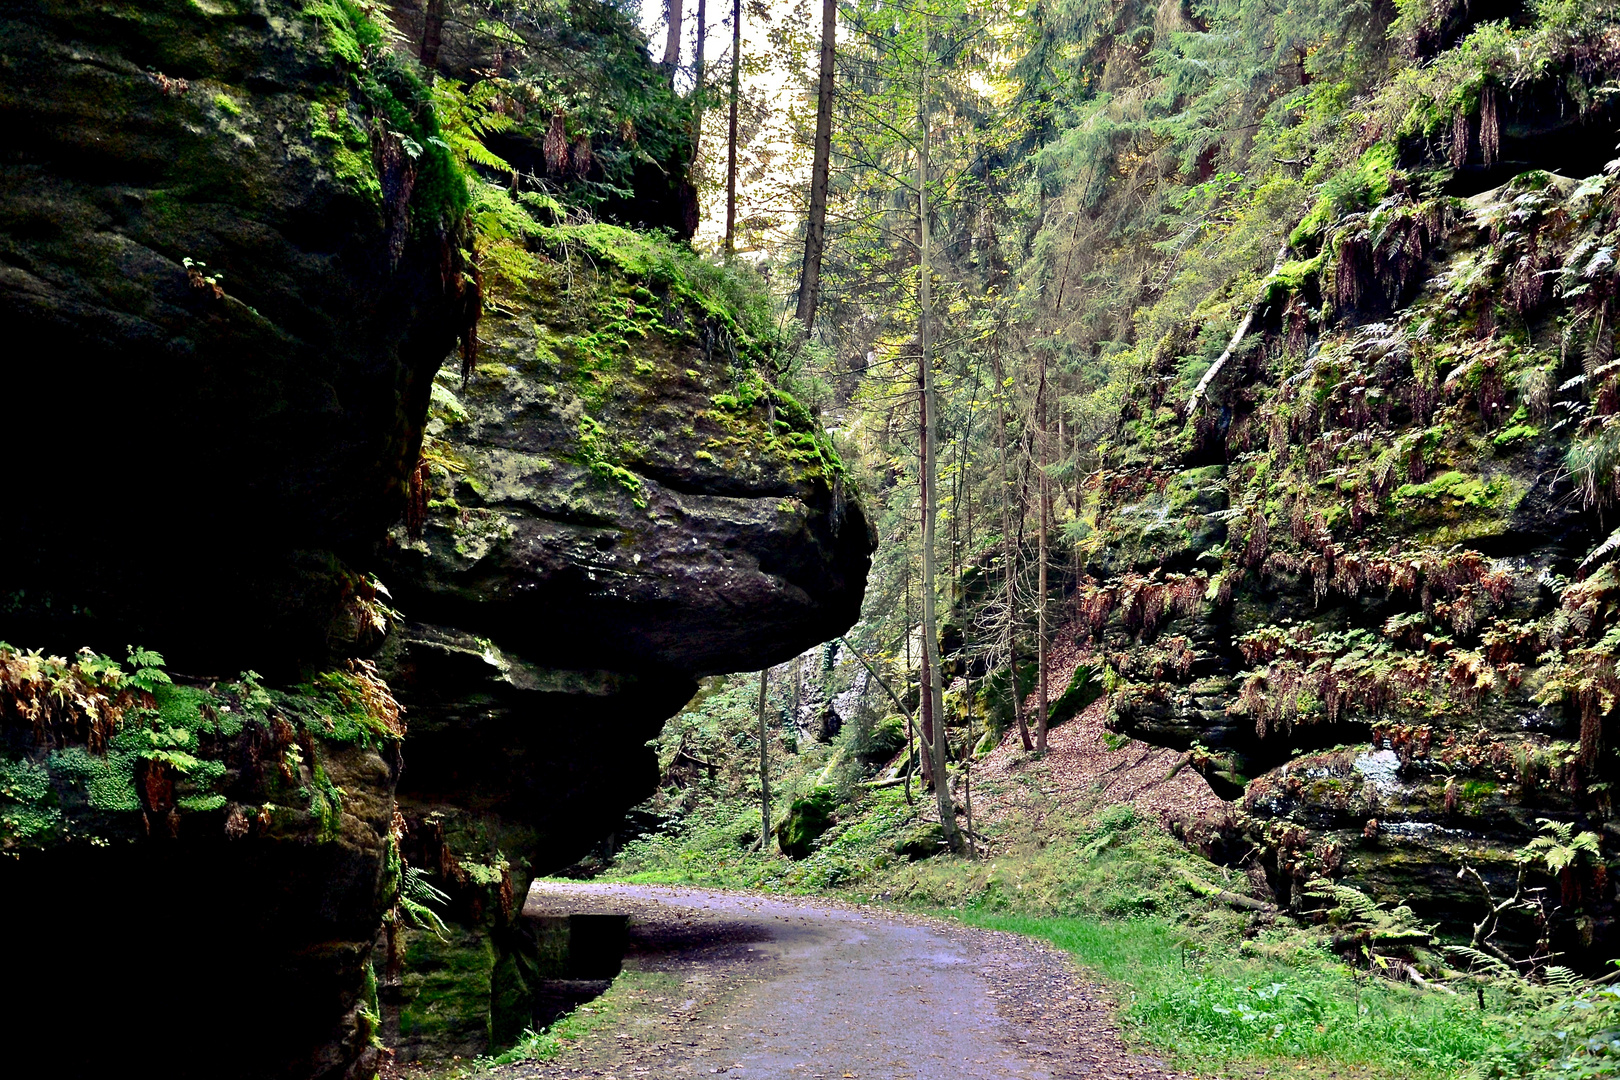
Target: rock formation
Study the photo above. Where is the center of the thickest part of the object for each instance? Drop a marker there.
(612, 505)
(1358, 583)
(231, 265)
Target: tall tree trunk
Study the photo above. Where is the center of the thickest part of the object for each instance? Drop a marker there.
(699, 100)
(764, 768)
(911, 751)
(432, 34)
(925, 696)
(1043, 493)
(731, 159)
(815, 231)
(1010, 545)
(930, 433)
(672, 43)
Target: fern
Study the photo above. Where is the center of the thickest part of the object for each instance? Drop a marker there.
(1611, 544)
(416, 892)
(466, 117)
(1481, 962)
(146, 670)
(1560, 847)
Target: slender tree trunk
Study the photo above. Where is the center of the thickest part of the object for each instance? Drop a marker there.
(731, 158)
(764, 769)
(936, 689)
(815, 230)
(967, 798)
(699, 90)
(925, 697)
(1042, 493)
(432, 34)
(1010, 546)
(672, 43)
(911, 747)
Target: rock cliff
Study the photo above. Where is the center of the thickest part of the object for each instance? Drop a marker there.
(611, 505)
(1361, 582)
(232, 266)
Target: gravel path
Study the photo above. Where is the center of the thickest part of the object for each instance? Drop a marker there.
(778, 988)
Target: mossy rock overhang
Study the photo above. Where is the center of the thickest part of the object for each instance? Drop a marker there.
(210, 442)
(616, 486)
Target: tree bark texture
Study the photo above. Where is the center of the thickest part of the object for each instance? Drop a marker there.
(1043, 492)
(731, 158)
(672, 42)
(432, 34)
(930, 440)
(698, 89)
(815, 231)
(764, 768)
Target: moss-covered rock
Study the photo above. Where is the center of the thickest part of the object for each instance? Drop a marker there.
(1400, 652)
(922, 841)
(223, 273)
(807, 818)
(193, 822)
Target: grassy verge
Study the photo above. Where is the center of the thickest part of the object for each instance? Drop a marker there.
(630, 997)
(1223, 1012)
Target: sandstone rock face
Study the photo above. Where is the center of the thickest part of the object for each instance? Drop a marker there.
(612, 505)
(226, 290)
(1360, 585)
(230, 270)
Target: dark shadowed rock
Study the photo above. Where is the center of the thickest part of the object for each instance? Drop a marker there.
(234, 429)
(611, 506)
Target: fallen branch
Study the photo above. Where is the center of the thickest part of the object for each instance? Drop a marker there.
(1242, 332)
(1424, 984)
(1214, 892)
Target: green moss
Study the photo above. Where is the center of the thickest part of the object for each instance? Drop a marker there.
(591, 455)
(1433, 489)
(1515, 435)
(807, 819)
(445, 990)
(348, 146)
(226, 104)
(397, 100)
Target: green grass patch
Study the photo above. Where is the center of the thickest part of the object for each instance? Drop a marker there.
(1231, 1012)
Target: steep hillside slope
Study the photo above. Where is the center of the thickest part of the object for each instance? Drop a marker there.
(1358, 577)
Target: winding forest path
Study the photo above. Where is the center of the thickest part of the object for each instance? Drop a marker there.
(760, 986)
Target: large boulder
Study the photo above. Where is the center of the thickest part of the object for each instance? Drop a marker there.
(226, 287)
(611, 505)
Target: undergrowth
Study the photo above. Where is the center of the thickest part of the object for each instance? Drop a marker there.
(1213, 989)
